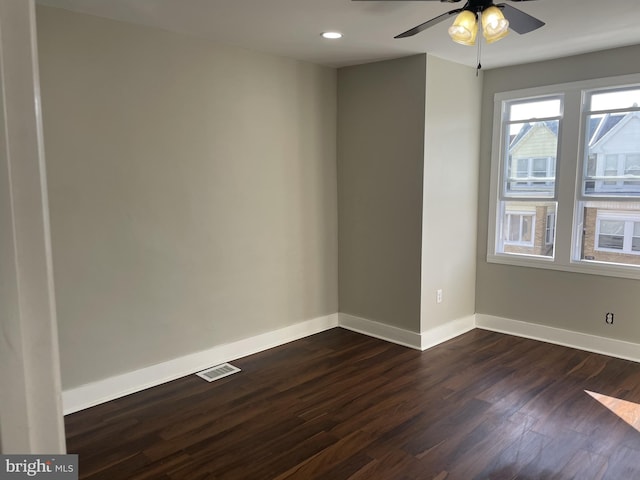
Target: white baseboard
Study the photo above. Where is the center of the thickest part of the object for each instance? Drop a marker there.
(379, 330)
(442, 333)
(419, 341)
(94, 393)
(558, 336)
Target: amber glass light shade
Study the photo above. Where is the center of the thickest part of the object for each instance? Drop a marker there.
(494, 25)
(465, 28)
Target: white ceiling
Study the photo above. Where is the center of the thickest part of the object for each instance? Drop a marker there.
(292, 28)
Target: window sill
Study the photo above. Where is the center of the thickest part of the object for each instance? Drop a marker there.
(584, 266)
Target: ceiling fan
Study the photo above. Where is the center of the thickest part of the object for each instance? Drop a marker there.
(496, 20)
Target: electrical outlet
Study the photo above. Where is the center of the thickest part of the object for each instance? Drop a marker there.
(608, 318)
(439, 295)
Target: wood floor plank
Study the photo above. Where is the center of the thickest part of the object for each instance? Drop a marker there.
(280, 462)
(329, 458)
(554, 455)
(390, 462)
(340, 405)
(584, 464)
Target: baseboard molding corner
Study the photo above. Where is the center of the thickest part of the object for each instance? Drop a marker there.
(437, 335)
(568, 338)
(101, 391)
(379, 330)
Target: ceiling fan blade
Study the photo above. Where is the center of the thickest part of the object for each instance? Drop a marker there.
(428, 23)
(519, 21)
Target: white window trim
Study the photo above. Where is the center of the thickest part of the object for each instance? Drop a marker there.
(629, 219)
(550, 227)
(520, 243)
(619, 178)
(569, 172)
(530, 180)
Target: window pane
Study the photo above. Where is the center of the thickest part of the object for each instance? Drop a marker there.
(610, 168)
(523, 167)
(527, 228)
(531, 159)
(615, 100)
(611, 232)
(522, 170)
(610, 241)
(632, 164)
(550, 229)
(512, 228)
(539, 167)
(612, 227)
(635, 241)
(517, 227)
(534, 109)
(612, 164)
(632, 171)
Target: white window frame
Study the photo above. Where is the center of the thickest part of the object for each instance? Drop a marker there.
(620, 178)
(550, 229)
(627, 237)
(530, 181)
(536, 194)
(532, 226)
(569, 181)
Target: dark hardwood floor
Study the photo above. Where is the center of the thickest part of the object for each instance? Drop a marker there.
(341, 405)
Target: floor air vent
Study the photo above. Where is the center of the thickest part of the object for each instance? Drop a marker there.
(217, 372)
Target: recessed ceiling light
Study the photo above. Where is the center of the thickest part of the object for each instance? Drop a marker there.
(332, 35)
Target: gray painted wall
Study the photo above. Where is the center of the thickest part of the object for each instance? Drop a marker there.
(192, 190)
(381, 120)
(194, 195)
(559, 299)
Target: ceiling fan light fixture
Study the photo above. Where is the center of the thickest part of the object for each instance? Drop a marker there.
(465, 28)
(494, 25)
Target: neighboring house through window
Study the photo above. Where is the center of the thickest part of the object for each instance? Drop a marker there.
(613, 164)
(534, 172)
(527, 197)
(600, 229)
(518, 228)
(618, 233)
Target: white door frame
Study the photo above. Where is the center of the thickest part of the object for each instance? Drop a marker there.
(31, 420)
